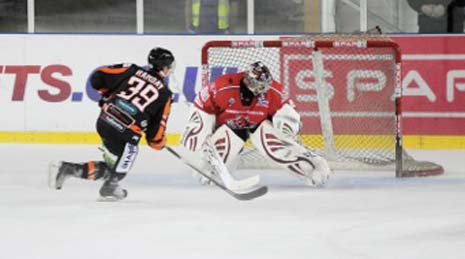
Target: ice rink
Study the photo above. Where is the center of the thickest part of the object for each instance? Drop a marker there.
(168, 215)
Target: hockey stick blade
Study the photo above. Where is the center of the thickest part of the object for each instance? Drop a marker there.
(242, 195)
(250, 194)
(244, 184)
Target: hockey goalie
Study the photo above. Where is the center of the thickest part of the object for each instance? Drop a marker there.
(245, 106)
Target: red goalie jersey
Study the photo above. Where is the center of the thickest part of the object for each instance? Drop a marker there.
(234, 105)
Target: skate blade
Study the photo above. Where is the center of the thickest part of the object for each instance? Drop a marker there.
(108, 199)
(53, 168)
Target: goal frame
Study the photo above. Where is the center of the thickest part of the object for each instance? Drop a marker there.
(327, 43)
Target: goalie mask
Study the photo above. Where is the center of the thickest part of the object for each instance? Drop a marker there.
(258, 78)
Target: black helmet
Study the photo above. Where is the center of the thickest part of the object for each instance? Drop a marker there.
(159, 58)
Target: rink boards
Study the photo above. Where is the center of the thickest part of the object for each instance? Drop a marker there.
(45, 97)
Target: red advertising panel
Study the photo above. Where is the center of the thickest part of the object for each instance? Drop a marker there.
(360, 86)
(434, 84)
(361, 83)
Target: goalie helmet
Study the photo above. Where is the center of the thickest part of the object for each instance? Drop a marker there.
(159, 58)
(258, 78)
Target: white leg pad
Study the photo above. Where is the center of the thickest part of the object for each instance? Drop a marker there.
(290, 155)
(199, 126)
(221, 151)
(228, 145)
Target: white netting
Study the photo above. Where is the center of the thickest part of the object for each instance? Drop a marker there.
(346, 96)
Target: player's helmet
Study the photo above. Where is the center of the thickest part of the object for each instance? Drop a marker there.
(159, 58)
(258, 78)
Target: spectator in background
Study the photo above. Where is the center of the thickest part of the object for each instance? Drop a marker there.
(207, 16)
(438, 16)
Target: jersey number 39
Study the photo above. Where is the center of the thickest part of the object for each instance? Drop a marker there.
(140, 93)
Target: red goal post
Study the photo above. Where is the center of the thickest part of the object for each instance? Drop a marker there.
(346, 87)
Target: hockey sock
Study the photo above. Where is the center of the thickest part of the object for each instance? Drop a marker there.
(94, 170)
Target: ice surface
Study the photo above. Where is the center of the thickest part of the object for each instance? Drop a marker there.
(168, 215)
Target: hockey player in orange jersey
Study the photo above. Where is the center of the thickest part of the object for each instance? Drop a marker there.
(135, 102)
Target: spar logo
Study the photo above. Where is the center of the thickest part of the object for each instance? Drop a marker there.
(343, 79)
(349, 80)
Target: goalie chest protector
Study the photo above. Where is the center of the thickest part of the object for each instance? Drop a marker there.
(223, 98)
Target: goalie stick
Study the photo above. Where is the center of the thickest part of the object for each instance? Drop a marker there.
(242, 195)
(214, 157)
(215, 161)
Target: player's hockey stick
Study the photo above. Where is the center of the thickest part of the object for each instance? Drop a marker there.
(242, 195)
(216, 162)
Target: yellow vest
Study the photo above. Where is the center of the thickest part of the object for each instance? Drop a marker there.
(223, 14)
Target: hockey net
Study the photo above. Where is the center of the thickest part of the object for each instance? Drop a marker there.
(347, 89)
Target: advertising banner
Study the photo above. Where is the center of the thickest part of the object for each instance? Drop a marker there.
(433, 84)
(44, 81)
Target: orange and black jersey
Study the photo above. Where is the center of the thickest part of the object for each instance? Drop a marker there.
(134, 99)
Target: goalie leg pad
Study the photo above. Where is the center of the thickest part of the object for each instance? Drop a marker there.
(228, 145)
(220, 153)
(220, 150)
(291, 155)
(199, 126)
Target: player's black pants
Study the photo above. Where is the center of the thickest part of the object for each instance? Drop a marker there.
(120, 146)
(119, 152)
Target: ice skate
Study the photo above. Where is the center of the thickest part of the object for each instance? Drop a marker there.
(58, 172)
(111, 191)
